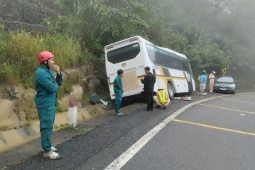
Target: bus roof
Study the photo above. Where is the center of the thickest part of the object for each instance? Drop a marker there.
(127, 40)
(172, 51)
(139, 38)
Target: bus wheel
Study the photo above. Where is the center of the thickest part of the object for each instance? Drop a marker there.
(190, 89)
(170, 90)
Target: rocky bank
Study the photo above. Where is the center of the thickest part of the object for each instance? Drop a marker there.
(18, 114)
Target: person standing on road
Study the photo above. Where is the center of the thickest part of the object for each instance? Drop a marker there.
(46, 86)
(204, 72)
(211, 81)
(149, 81)
(202, 79)
(118, 92)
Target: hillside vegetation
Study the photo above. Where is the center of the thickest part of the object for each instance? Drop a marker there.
(19, 54)
(213, 34)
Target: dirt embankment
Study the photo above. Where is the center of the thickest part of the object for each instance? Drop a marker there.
(18, 114)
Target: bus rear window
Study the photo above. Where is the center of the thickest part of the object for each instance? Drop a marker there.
(122, 54)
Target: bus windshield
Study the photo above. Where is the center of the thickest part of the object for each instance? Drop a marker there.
(123, 54)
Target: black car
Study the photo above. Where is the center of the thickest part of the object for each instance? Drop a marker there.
(225, 84)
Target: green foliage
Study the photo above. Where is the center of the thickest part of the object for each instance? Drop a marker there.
(75, 129)
(18, 54)
(84, 131)
(68, 127)
(229, 24)
(100, 73)
(213, 34)
(66, 86)
(99, 22)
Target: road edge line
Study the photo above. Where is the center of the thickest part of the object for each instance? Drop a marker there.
(119, 162)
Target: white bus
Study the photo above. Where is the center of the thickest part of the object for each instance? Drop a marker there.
(172, 69)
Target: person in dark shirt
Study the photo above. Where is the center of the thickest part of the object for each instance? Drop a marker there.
(149, 81)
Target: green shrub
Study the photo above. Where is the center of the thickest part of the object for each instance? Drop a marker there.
(18, 54)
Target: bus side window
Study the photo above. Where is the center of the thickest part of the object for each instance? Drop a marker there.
(158, 57)
(178, 63)
(172, 61)
(164, 59)
(151, 53)
(185, 65)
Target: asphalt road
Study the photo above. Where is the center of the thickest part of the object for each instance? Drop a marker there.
(218, 134)
(210, 135)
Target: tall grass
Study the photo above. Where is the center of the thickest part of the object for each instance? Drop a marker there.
(18, 54)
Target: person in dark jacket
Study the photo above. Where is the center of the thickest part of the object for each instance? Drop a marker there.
(118, 91)
(149, 81)
(46, 86)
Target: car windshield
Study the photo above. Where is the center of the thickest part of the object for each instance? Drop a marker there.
(225, 80)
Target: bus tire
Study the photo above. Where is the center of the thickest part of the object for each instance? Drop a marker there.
(190, 89)
(170, 91)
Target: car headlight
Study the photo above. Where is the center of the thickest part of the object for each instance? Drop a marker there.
(232, 86)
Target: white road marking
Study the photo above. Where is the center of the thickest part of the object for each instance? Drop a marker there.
(239, 101)
(246, 95)
(119, 162)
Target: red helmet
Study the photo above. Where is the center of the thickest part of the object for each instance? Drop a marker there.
(44, 55)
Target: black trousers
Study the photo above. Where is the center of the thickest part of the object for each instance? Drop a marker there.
(149, 100)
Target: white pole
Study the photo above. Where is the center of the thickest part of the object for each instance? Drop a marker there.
(72, 113)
